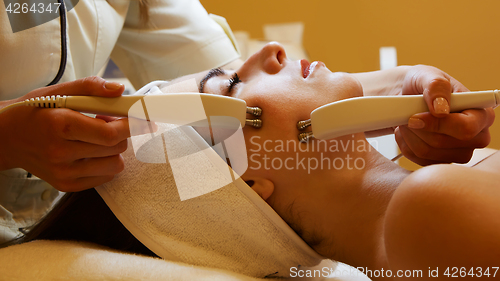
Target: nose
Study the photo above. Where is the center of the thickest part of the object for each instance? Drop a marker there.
(270, 59)
(273, 57)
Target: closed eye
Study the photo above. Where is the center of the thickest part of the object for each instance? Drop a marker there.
(235, 79)
(212, 73)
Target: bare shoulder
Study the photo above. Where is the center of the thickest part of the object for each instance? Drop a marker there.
(445, 215)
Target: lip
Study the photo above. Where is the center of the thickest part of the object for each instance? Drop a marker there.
(305, 68)
(308, 68)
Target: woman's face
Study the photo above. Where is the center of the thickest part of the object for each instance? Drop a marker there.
(286, 91)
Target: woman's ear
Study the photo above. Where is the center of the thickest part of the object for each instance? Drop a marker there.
(262, 186)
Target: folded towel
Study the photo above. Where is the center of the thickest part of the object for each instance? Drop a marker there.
(228, 227)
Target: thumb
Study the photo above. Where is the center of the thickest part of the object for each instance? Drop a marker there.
(89, 86)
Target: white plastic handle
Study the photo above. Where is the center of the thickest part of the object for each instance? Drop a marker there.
(173, 108)
(363, 114)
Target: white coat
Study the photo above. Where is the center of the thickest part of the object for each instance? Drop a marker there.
(180, 38)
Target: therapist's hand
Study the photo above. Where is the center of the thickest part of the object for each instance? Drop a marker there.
(67, 149)
(439, 136)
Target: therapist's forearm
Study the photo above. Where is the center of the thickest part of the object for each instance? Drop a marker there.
(383, 82)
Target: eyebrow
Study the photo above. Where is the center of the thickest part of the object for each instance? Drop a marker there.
(212, 73)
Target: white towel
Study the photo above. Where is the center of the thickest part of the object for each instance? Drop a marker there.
(230, 228)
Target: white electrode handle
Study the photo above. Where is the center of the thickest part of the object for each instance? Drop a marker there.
(192, 109)
(173, 108)
(118, 106)
(150, 103)
(371, 113)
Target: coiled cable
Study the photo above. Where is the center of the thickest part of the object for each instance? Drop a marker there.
(44, 102)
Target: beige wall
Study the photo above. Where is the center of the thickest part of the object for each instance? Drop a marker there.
(462, 37)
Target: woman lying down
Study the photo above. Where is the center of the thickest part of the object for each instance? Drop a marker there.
(368, 212)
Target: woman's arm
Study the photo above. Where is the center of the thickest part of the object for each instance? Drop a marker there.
(445, 216)
(387, 82)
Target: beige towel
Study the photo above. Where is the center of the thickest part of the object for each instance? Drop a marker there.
(229, 228)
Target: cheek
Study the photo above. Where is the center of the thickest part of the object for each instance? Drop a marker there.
(281, 110)
(284, 106)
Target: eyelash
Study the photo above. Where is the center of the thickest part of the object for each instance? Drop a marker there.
(235, 79)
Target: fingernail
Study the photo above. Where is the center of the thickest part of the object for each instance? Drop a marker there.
(416, 123)
(441, 106)
(112, 86)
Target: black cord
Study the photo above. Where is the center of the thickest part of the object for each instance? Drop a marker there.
(64, 51)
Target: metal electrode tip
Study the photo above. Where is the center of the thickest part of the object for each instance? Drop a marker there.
(254, 110)
(301, 125)
(257, 123)
(304, 137)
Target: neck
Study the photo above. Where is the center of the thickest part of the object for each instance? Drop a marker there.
(359, 199)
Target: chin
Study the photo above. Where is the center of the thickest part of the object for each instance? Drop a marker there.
(355, 89)
(344, 86)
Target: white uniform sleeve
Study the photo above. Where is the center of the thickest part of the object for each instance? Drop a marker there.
(179, 39)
